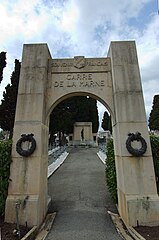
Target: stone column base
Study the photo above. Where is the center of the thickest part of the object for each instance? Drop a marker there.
(140, 210)
(31, 210)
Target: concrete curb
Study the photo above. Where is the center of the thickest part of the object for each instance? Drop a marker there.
(30, 234)
(119, 226)
(55, 165)
(46, 226)
(102, 156)
(43, 231)
(129, 233)
(135, 234)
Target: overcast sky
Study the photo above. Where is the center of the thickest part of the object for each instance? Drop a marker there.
(83, 27)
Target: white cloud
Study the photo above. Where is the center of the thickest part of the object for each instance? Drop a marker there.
(69, 17)
(148, 53)
(82, 27)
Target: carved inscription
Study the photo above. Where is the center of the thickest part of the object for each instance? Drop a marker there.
(73, 80)
(57, 64)
(79, 76)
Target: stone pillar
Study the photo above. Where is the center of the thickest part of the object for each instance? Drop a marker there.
(137, 194)
(28, 184)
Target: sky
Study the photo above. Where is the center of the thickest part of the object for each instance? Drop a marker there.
(83, 28)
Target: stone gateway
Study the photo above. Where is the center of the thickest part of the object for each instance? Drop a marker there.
(115, 82)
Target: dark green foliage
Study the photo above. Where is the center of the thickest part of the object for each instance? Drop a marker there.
(2, 64)
(154, 140)
(111, 171)
(62, 117)
(85, 110)
(5, 161)
(81, 106)
(106, 122)
(93, 114)
(154, 114)
(8, 104)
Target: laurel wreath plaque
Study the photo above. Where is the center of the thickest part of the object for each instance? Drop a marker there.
(136, 137)
(26, 138)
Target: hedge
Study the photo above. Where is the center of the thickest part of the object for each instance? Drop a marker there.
(5, 161)
(111, 171)
(155, 154)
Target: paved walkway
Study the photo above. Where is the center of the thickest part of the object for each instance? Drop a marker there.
(81, 199)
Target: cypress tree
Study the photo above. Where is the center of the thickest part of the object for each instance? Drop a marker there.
(81, 105)
(2, 64)
(93, 114)
(8, 103)
(154, 114)
(106, 122)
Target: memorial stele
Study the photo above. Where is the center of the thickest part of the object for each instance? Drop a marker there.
(115, 82)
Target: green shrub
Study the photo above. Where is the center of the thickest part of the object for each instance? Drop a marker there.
(111, 171)
(154, 140)
(5, 160)
(110, 165)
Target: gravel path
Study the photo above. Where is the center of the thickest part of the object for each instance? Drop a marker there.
(81, 200)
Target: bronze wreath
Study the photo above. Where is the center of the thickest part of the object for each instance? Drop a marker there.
(26, 138)
(136, 137)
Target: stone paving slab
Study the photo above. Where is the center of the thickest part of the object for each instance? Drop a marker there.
(81, 200)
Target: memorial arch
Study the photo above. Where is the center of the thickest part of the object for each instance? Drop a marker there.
(115, 81)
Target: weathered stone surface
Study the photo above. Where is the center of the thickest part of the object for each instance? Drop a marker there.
(115, 81)
(29, 175)
(84, 81)
(135, 175)
(123, 129)
(80, 64)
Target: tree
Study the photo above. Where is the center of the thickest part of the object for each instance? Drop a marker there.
(154, 114)
(86, 111)
(60, 120)
(81, 106)
(2, 64)
(8, 104)
(75, 109)
(106, 122)
(93, 114)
